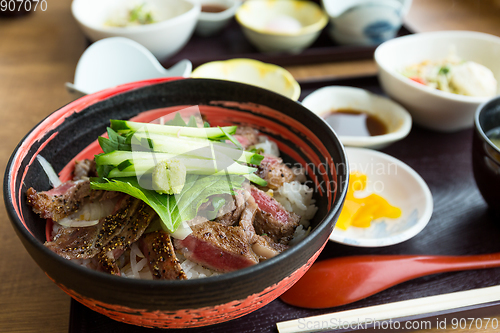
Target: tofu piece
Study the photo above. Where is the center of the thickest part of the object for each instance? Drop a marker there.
(473, 79)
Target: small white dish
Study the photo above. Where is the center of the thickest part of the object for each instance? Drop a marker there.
(210, 23)
(281, 25)
(117, 60)
(398, 121)
(401, 186)
(175, 21)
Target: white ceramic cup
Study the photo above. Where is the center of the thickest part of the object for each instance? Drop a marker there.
(365, 22)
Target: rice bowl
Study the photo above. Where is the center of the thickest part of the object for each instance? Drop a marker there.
(197, 302)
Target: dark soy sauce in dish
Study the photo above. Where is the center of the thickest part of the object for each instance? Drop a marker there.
(212, 8)
(347, 122)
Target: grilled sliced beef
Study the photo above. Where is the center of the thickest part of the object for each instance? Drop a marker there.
(247, 136)
(106, 262)
(130, 233)
(234, 208)
(275, 172)
(218, 247)
(84, 169)
(159, 251)
(59, 202)
(86, 242)
(273, 219)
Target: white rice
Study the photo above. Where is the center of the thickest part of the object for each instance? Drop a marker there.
(138, 267)
(194, 270)
(297, 198)
(268, 147)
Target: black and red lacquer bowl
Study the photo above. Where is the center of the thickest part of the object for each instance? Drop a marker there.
(67, 133)
(485, 155)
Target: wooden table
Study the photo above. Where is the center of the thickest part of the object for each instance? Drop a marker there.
(39, 52)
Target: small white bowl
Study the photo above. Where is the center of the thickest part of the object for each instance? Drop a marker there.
(281, 25)
(398, 121)
(432, 108)
(365, 22)
(209, 23)
(176, 22)
(401, 186)
(252, 72)
(113, 61)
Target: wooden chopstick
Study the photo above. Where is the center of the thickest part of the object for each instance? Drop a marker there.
(365, 316)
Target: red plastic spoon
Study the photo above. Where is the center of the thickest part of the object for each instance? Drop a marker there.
(340, 281)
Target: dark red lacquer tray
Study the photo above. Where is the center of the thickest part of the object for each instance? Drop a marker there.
(460, 225)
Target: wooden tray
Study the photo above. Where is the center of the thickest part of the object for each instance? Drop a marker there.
(460, 225)
(231, 43)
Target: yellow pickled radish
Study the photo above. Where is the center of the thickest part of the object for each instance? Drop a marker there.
(360, 212)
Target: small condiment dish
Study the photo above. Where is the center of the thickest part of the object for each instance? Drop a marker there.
(215, 15)
(254, 72)
(431, 108)
(174, 22)
(401, 186)
(281, 25)
(396, 119)
(365, 22)
(113, 61)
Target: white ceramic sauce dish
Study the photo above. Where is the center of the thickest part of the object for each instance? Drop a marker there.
(401, 186)
(113, 61)
(211, 23)
(397, 120)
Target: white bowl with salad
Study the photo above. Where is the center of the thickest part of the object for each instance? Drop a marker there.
(162, 26)
(441, 77)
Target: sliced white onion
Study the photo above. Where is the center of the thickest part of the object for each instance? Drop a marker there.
(141, 264)
(68, 222)
(49, 171)
(89, 214)
(95, 210)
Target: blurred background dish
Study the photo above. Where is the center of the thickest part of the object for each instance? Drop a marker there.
(252, 72)
(486, 152)
(395, 182)
(429, 107)
(365, 22)
(113, 61)
(215, 16)
(162, 26)
(281, 25)
(360, 118)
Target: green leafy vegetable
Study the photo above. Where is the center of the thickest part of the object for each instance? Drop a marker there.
(174, 209)
(138, 160)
